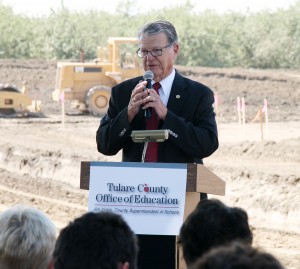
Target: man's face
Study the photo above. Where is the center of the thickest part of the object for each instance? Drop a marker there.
(162, 65)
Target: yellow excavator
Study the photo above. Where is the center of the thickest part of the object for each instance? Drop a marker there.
(87, 85)
(15, 102)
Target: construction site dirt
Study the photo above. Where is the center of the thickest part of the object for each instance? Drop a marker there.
(258, 119)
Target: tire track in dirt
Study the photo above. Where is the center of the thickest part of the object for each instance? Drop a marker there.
(19, 193)
(60, 201)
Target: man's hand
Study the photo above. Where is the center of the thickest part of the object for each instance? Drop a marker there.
(137, 99)
(153, 100)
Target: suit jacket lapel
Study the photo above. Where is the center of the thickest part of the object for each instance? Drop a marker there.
(178, 95)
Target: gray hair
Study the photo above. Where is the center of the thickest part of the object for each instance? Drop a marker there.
(27, 238)
(157, 27)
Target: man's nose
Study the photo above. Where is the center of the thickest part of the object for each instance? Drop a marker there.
(149, 56)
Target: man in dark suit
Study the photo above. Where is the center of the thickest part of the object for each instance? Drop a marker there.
(182, 106)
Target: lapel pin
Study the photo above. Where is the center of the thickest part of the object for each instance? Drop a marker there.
(177, 96)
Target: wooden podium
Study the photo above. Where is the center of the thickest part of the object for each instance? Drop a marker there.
(199, 179)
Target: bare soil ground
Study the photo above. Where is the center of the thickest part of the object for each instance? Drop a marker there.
(40, 157)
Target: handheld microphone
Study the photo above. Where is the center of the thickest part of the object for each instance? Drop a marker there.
(148, 76)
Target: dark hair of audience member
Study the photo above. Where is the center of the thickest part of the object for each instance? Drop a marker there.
(237, 256)
(212, 224)
(96, 240)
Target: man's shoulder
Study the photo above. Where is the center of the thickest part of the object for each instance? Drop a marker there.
(190, 83)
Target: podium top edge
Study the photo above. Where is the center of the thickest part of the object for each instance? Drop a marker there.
(139, 164)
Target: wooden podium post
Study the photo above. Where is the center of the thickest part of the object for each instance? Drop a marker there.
(199, 179)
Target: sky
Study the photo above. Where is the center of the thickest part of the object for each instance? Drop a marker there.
(40, 7)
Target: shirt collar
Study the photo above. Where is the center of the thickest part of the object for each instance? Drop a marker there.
(166, 83)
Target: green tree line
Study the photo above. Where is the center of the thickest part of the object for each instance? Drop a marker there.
(258, 40)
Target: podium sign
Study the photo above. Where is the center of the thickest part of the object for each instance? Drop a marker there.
(156, 221)
(149, 196)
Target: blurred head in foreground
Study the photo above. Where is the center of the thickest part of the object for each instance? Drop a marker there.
(27, 238)
(237, 256)
(96, 240)
(212, 224)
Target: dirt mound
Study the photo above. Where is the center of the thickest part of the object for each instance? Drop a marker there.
(283, 151)
(40, 157)
(280, 87)
(39, 76)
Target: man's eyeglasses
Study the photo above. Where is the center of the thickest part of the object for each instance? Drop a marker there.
(154, 52)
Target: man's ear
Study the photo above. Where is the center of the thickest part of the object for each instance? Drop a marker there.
(124, 265)
(176, 50)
